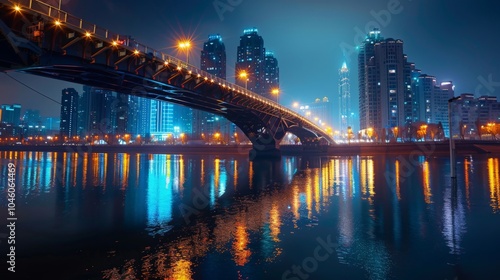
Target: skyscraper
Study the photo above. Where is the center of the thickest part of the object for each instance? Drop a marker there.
(385, 83)
(162, 120)
(432, 100)
(369, 99)
(213, 56)
(97, 113)
(69, 113)
(251, 60)
(11, 114)
(344, 99)
(213, 61)
(271, 74)
(138, 121)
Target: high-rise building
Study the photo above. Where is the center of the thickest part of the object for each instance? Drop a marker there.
(98, 111)
(488, 109)
(124, 112)
(385, 83)
(52, 125)
(161, 120)
(251, 61)
(431, 100)
(213, 56)
(11, 114)
(69, 113)
(271, 74)
(183, 122)
(32, 117)
(344, 99)
(213, 61)
(369, 99)
(144, 118)
(139, 116)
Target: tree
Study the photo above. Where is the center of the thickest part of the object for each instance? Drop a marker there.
(478, 128)
(433, 131)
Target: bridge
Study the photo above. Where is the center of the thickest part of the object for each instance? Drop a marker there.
(40, 39)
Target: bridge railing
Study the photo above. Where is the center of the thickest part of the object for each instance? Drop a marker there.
(127, 42)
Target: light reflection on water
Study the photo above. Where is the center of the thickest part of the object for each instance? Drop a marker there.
(208, 217)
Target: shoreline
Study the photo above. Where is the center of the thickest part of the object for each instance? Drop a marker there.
(423, 148)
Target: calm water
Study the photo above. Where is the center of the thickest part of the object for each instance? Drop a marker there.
(137, 216)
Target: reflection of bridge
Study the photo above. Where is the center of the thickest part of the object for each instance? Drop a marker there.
(40, 39)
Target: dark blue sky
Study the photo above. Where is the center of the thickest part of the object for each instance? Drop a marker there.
(452, 40)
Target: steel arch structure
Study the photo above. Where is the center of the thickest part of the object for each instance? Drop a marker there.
(43, 40)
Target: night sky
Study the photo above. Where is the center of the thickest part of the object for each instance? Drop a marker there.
(452, 40)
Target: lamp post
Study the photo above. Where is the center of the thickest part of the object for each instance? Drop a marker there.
(244, 75)
(452, 142)
(185, 45)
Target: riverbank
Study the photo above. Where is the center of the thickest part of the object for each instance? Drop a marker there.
(424, 148)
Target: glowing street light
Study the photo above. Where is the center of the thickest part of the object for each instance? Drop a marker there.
(185, 45)
(276, 92)
(244, 75)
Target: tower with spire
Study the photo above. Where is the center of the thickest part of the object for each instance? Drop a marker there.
(344, 99)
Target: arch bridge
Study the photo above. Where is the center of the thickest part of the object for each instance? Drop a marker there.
(40, 39)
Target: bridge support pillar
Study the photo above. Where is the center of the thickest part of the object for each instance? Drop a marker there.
(264, 152)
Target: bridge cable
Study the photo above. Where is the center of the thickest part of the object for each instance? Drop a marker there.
(50, 98)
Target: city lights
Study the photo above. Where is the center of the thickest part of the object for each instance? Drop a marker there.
(185, 45)
(244, 76)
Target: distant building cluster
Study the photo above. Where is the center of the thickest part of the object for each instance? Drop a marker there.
(394, 96)
(15, 127)
(473, 117)
(256, 69)
(319, 111)
(110, 117)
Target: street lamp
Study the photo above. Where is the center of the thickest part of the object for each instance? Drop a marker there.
(244, 75)
(276, 92)
(185, 45)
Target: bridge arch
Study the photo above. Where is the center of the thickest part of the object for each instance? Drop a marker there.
(49, 42)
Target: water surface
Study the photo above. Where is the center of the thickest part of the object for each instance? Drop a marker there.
(138, 216)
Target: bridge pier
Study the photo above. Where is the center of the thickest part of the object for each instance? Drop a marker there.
(264, 152)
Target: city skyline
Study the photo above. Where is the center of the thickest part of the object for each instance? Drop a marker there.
(478, 76)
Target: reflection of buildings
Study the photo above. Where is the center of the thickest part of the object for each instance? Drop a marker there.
(374, 204)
